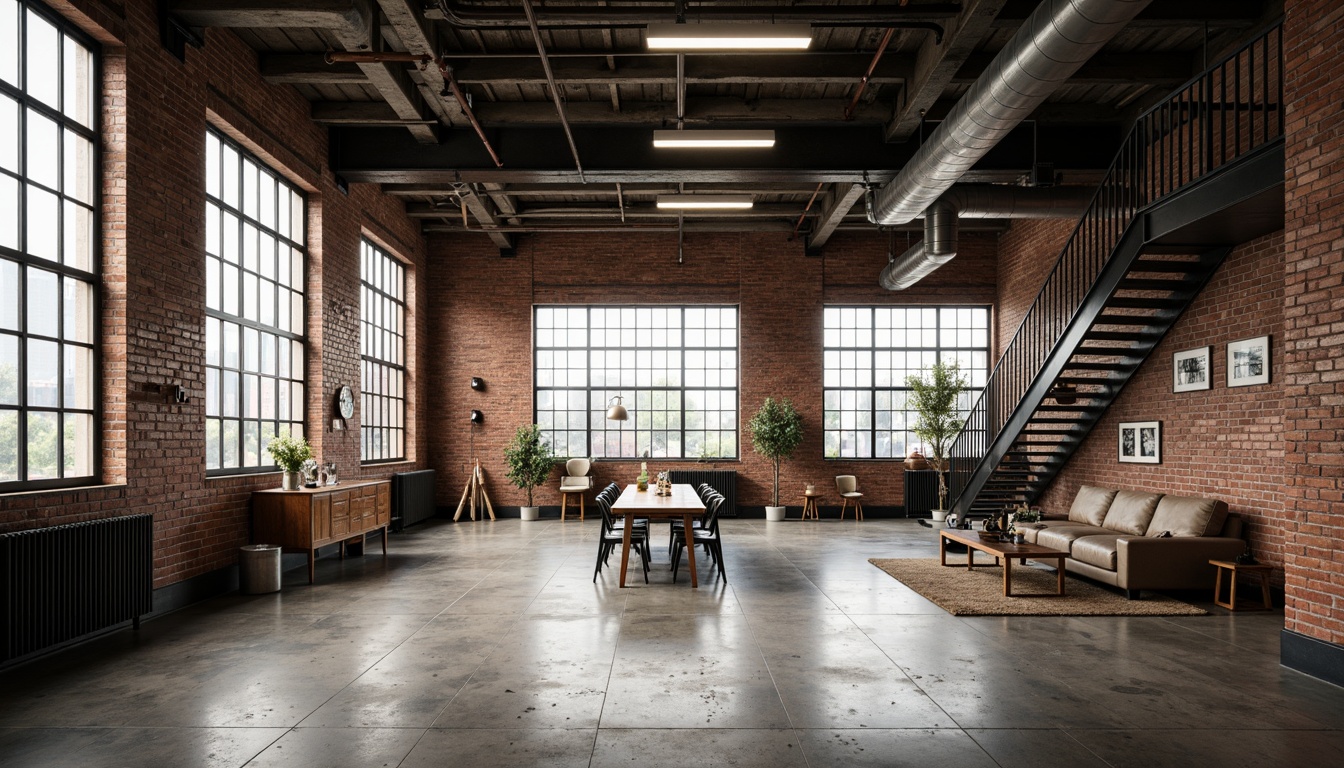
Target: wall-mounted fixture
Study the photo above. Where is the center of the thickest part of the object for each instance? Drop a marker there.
(477, 417)
(616, 412)
(477, 383)
(344, 408)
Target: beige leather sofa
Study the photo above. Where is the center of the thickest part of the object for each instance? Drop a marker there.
(1136, 540)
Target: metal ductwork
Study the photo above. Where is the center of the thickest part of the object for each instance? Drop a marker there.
(976, 201)
(1057, 39)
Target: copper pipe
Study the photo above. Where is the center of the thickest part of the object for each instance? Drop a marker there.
(803, 215)
(423, 60)
(555, 89)
(872, 67)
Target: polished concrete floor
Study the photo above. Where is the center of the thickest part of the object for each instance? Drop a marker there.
(487, 644)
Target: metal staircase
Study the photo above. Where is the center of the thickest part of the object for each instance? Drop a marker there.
(1198, 174)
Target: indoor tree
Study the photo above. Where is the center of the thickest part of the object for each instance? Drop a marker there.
(529, 459)
(776, 432)
(933, 396)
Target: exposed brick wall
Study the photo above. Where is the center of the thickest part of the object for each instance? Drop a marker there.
(1222, 442)
(1027, 253)
(1314, 317)
(487, 332)
(156, 113)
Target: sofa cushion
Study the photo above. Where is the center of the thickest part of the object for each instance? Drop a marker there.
(1090, 505)
(1031, 530)
(1131, 511)
(1188, 516)
(1096, 550)
(1062, 537)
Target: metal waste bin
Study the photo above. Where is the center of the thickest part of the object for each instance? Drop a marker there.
(259, 569)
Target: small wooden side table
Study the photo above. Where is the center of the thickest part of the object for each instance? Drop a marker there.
(1233, 569)
(810, 505)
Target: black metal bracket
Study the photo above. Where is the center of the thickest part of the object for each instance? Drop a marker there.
(176, 36)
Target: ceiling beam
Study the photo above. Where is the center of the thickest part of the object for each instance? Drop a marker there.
(326, 14)
(600, 191)
(588, 211)
(308, 69)
(479, 209)
(843, 198)
(837, 70)
(648, 114)
(407, 20)
(937, 63)
(535, 155)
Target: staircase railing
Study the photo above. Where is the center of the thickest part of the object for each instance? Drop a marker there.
(1229, 111)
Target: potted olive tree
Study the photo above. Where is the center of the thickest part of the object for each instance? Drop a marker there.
(934, 397)
(289, 453)
(776, 432)
(530, 461)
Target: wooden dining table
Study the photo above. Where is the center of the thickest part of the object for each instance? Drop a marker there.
(684, 503)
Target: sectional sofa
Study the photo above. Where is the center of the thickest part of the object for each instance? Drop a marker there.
(1136, 540)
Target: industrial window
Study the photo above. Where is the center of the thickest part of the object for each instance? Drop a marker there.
(48, 251)
(254, 341)
(382, 349)
(869, 352)
(674, 367)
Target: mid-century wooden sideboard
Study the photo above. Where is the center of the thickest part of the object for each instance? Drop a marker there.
(303, 520)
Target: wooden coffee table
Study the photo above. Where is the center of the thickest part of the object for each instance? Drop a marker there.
(1001, 549)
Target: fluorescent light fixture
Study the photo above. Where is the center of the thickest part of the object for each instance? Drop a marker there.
(713, 139)
(704, 202)
(729, 37)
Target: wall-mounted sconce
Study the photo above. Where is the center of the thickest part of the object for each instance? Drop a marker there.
(477, 383)
(477, 417)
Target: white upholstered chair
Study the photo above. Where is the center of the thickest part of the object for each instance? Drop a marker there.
(575, 482)
(847, 487)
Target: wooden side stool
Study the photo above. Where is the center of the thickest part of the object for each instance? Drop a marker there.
(810, 505)
(1233, 569)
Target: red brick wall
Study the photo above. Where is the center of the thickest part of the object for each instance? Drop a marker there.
(157, 110)
(781, 293)
(1223, 442)
(1027, 253)
(1314, 317)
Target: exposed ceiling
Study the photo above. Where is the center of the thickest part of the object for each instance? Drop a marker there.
(400, 123)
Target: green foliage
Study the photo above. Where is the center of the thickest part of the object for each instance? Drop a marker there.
(934, 397)
(529, 459)
(776, 432)
(289, 452)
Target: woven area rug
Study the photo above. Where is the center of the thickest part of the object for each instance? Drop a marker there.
(979, 592)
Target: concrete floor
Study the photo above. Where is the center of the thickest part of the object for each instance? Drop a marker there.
(485, 644)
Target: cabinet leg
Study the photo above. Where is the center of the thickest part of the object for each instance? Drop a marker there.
(384, 541)
(312, 556)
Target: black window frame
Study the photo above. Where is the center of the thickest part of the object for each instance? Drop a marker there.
(369, 399)
(92, 276)
(968, 398)
(599, 396)
(244, 324)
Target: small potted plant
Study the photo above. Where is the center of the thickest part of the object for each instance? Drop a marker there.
(934, 398)
(530, 460)
(289, 453)
(776, 432)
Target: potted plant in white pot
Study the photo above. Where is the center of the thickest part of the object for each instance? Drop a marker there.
(530, 461)
(289, 453)
(776, 432)
(934, 397)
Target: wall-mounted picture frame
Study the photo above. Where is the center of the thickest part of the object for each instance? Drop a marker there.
(1248, 362)
(1191, 370)
(1140, 442)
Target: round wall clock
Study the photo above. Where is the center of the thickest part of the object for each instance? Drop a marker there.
(345, 402)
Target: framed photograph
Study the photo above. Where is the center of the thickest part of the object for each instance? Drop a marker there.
(1248, 362)
(1190, 370)
(1141, 442)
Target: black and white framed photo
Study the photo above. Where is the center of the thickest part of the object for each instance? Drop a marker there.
(1190, 370)
(1248, 362)
(1141, 442)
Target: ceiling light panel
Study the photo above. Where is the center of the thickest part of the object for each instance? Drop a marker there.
(704, 202)
(712, 139)
(728, 37)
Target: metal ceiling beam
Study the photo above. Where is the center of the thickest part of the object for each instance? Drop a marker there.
(841, 203)
(588, 190)
(937, 63)
(700, 70)
(714, 111)
(626, 155)
(587, 211)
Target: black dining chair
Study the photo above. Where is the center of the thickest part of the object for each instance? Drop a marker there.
(612, 537)
(707, 535)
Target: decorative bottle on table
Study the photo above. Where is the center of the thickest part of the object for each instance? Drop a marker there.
(664, 484)
(642, 482)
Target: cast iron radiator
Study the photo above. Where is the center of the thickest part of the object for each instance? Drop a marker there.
(412, 498)
(722, 480)
(921, 492)
(59, 583)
